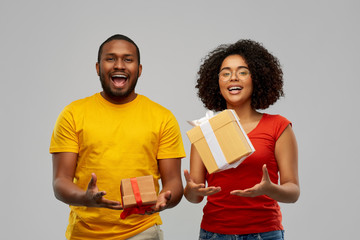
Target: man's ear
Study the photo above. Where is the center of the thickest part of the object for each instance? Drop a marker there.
(97, 68)
(140, 70)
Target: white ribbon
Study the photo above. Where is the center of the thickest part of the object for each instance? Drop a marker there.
(246, 136)
(197, 122)
(213, 144)
(211, 139)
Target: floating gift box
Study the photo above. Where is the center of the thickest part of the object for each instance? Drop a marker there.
(138, 191)
(221, 141)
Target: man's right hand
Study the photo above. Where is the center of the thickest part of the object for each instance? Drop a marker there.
(64, 166)
(95, 198)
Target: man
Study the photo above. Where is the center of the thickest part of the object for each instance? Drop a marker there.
(112, 135)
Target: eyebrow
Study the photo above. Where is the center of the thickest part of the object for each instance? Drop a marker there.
(114, 54)
(239, 67)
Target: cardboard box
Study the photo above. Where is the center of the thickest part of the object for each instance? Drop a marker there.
(221, 141)
(140, 187)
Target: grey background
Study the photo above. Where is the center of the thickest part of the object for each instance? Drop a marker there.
(48, 53)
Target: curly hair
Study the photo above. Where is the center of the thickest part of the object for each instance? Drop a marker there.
(265, 69)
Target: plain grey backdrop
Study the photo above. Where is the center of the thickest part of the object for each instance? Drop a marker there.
(48, 54)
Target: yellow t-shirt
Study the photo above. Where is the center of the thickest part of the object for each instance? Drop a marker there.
(114, 142)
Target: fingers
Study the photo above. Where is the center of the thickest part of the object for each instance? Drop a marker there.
(265, 173)
(100, 201)
(111, 204)
(167, 198)
(191, 182)
(236, 192)
(167, 195)
(199, 188)
(243, 193)
(163, 200)
(93, 180)
(256, 190)
(97, 196)
(209, 191)
(187, 176)
(150, 211)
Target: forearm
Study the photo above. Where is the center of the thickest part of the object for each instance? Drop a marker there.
(286, 155)
(286, 193)
(68, 192)
(176, 188)
(64, 165)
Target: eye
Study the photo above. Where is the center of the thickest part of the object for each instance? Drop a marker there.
(243, 72)
(225, 74)
(110, 59)
(128, 60)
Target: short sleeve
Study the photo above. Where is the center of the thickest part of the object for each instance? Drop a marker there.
(171, 144)
(64, 137)
(280, 124)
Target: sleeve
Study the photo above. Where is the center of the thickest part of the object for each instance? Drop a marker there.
(64, 137)
(171, 144)
(281, 124)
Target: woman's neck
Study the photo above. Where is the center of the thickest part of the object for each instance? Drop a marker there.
(245, 113)
(249, 117)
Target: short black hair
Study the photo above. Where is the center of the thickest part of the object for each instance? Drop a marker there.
(265, 69)
(118, 37)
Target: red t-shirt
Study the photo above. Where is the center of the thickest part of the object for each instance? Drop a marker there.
(230, 214)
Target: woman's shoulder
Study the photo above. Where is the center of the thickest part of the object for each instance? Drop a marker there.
(275, 123)
(274, 118)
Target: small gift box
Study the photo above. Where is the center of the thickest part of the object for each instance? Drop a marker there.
(220, 140)
(138, 191)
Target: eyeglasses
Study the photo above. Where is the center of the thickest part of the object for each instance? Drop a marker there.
(241, 73)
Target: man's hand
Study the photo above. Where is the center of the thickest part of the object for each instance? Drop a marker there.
(162, 202)
(95, 198)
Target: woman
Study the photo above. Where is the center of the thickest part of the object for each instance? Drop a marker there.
(242, 202)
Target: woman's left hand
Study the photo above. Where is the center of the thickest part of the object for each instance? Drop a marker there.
(288, 190)
(259, 189)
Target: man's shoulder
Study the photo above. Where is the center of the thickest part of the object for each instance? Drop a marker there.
(154, 105)
(83, 101)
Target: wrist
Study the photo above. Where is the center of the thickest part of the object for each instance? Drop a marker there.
(85, 199)
(191, 195)
(270, 189)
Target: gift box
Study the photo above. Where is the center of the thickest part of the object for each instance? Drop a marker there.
(138, 191)
(221, 141)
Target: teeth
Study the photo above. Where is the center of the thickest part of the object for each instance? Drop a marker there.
(119, 76)
(235, 88)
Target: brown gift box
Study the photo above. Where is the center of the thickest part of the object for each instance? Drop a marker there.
(227, 139)
(147, 191)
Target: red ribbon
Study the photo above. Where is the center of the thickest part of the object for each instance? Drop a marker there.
(139, 209)
(134, 210)
(136, 191)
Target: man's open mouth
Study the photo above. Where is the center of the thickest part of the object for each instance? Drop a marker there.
(119, 80)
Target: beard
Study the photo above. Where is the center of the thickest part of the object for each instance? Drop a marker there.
(117, 94)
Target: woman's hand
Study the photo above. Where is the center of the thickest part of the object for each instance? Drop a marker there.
(262, 188)
(195, 190)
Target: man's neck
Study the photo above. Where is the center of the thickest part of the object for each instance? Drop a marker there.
(119, 100)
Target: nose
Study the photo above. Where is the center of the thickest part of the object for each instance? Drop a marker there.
(234, 76)
(119, 64)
